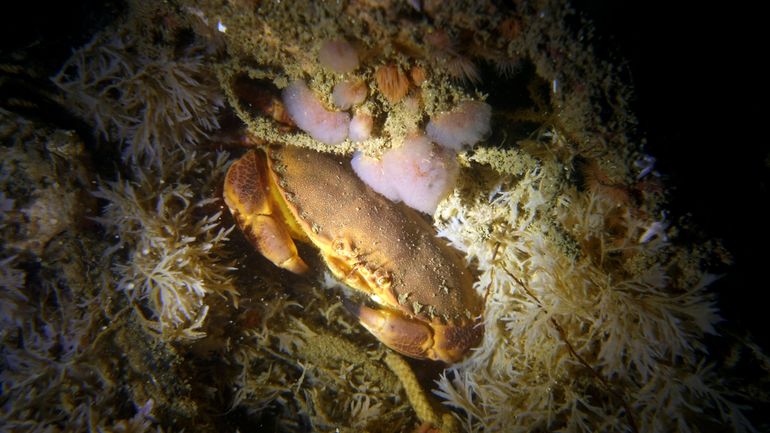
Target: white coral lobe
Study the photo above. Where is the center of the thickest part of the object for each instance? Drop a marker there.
(338, 55)
(466, 125)
(419, 173)
(361, 127)
(311, 116)
(371, 171)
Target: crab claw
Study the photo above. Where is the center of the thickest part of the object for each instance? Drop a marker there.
(410, 337)
(246, 193)
(273, 240)
(415, 338)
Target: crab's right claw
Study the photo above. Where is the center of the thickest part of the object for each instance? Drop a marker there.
(418, 339)
(246, 193)
(410, 337)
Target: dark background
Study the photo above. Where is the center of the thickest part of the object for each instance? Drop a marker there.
(700, 97)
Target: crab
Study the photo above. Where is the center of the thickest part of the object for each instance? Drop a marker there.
(425, 305)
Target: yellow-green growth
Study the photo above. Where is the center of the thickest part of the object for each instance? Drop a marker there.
(421, 404)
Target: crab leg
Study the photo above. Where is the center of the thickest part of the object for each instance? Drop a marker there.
(247, 194)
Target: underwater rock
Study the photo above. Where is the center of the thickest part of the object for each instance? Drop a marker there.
(594, 315)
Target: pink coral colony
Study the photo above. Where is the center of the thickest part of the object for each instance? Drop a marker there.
(464, 126)
(361, 127)
(419, 173)
(338, 56)
(304, 108)
(349, 93)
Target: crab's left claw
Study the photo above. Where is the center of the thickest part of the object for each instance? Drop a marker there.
(418, 339)
(247, 192)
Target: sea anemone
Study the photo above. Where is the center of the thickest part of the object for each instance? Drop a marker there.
(418, 75)
(392, 82)
(462, 68)
(451, 58)
(439, 41)
(372, 172)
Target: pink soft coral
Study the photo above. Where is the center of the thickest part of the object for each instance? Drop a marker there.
(419, 173)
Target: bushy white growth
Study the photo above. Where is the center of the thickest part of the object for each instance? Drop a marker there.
(150, 102)
(174, 247)
(563, 323)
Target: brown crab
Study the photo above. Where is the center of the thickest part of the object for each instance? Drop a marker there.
(427, 305)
